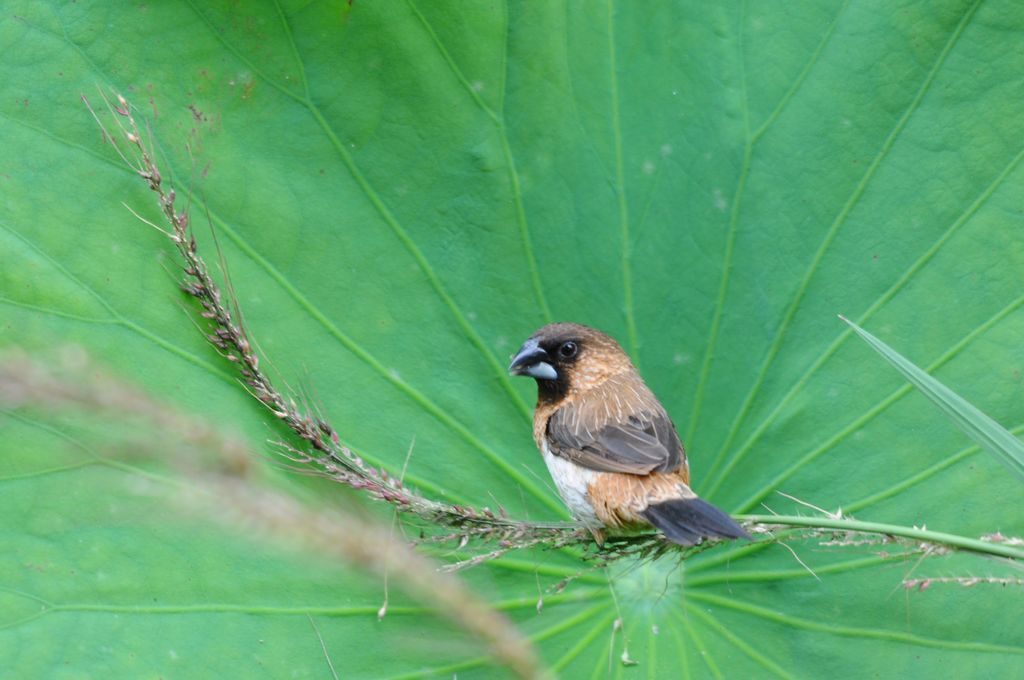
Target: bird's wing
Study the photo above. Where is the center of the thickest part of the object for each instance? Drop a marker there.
(619, 427)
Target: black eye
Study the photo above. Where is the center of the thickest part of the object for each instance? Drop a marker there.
(568, 350)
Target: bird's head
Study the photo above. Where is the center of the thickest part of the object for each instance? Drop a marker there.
(566, 357)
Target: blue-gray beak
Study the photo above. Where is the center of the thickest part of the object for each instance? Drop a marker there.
(533, 361)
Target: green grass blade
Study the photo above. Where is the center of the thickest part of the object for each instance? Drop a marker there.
(989, 434)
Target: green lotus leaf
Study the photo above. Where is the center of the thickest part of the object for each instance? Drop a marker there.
(403, 192)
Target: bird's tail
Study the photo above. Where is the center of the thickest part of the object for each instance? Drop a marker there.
(687, 520)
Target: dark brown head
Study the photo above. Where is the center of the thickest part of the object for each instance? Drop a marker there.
(567, 358)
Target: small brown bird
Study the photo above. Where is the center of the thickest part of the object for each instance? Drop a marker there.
(611, 448)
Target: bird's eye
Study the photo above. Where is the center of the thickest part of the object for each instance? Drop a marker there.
(568, 350)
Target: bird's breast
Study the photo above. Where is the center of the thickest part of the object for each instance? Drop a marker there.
(573, 483)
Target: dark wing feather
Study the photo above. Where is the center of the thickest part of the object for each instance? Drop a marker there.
(632, 435)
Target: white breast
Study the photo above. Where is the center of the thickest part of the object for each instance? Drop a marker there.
(572, 481)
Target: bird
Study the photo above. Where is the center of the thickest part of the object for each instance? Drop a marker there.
(610, 446)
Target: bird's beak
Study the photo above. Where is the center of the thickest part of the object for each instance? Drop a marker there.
(532, 360)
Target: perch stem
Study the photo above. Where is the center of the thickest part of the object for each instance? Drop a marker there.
(937, 538)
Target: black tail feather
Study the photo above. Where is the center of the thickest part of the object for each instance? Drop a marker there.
(687, 521)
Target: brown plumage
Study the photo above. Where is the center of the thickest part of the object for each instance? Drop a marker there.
(611, 448)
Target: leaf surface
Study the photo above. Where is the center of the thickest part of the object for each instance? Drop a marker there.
(404, 192)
